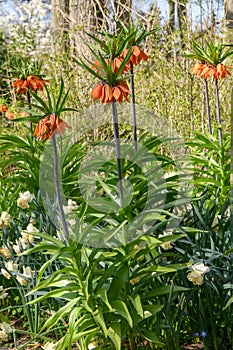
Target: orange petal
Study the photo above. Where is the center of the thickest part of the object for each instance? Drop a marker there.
(108, 93)
(123, 86)
(143, 56)
(3, 108)
(116, 93)
(221, 71)
(24, 114)
(125, 94)
(97, 91)
(9, 115)
(36, 132)
(197, 68)
(102, 98)
(136, 50)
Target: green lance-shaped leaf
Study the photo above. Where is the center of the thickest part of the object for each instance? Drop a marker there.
(122, 310)
(118, 282)
(114, 333)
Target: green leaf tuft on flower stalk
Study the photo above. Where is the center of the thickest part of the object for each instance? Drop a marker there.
(210, 60)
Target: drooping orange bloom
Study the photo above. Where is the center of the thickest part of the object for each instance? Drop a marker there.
(49, 126)
(137, 55)
(117, 61)
(107, 93)
(20, 86)
(24, 114)
(206, 70)
(197, 68)
(31, 82)
(116, 64)
(3, 108)
(221, 71)
(121, 91)
(9, 115)
(35, 83)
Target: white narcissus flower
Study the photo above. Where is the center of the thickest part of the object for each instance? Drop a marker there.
(72, 205)
(27, 274)
(21, 244)
(200, 267)
(22, 203)
(198, 270)
(22, 281)
(3, 336)
(27, 196)
(72, 222)
(26, 238)
(5, 274)
(11, 267)
(24, 199)
(5, 331)
(6, 327)
(3, 293)
(5, 252)
(195, 278)
(49, 346)
(31, 228)
(17, 247)
(5, 219)
(166, 245)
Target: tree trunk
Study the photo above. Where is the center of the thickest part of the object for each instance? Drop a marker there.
(182, 19)
(71, 18)
(171, 4)
(228, 21)
(60, 22)
(177, 9)
(100, 14)
(181, 13)
(122, 11)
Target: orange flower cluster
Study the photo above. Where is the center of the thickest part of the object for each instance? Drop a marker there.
(3, 108)
(11, 115)
(24, 114)
(109, 94)
(206, 70)
(49, 126)
(120, 91)
(115, 64)
(31, 82)
(137, 55)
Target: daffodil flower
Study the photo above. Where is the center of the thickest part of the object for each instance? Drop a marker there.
(5, 252)
(198, 270)
(24, 199)
(5, 219)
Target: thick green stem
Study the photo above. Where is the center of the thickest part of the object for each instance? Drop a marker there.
(207, 105)
(29, 105)
(231, 175)
(218, 112)
(134, 120)
(118, 150)
(58, 191)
